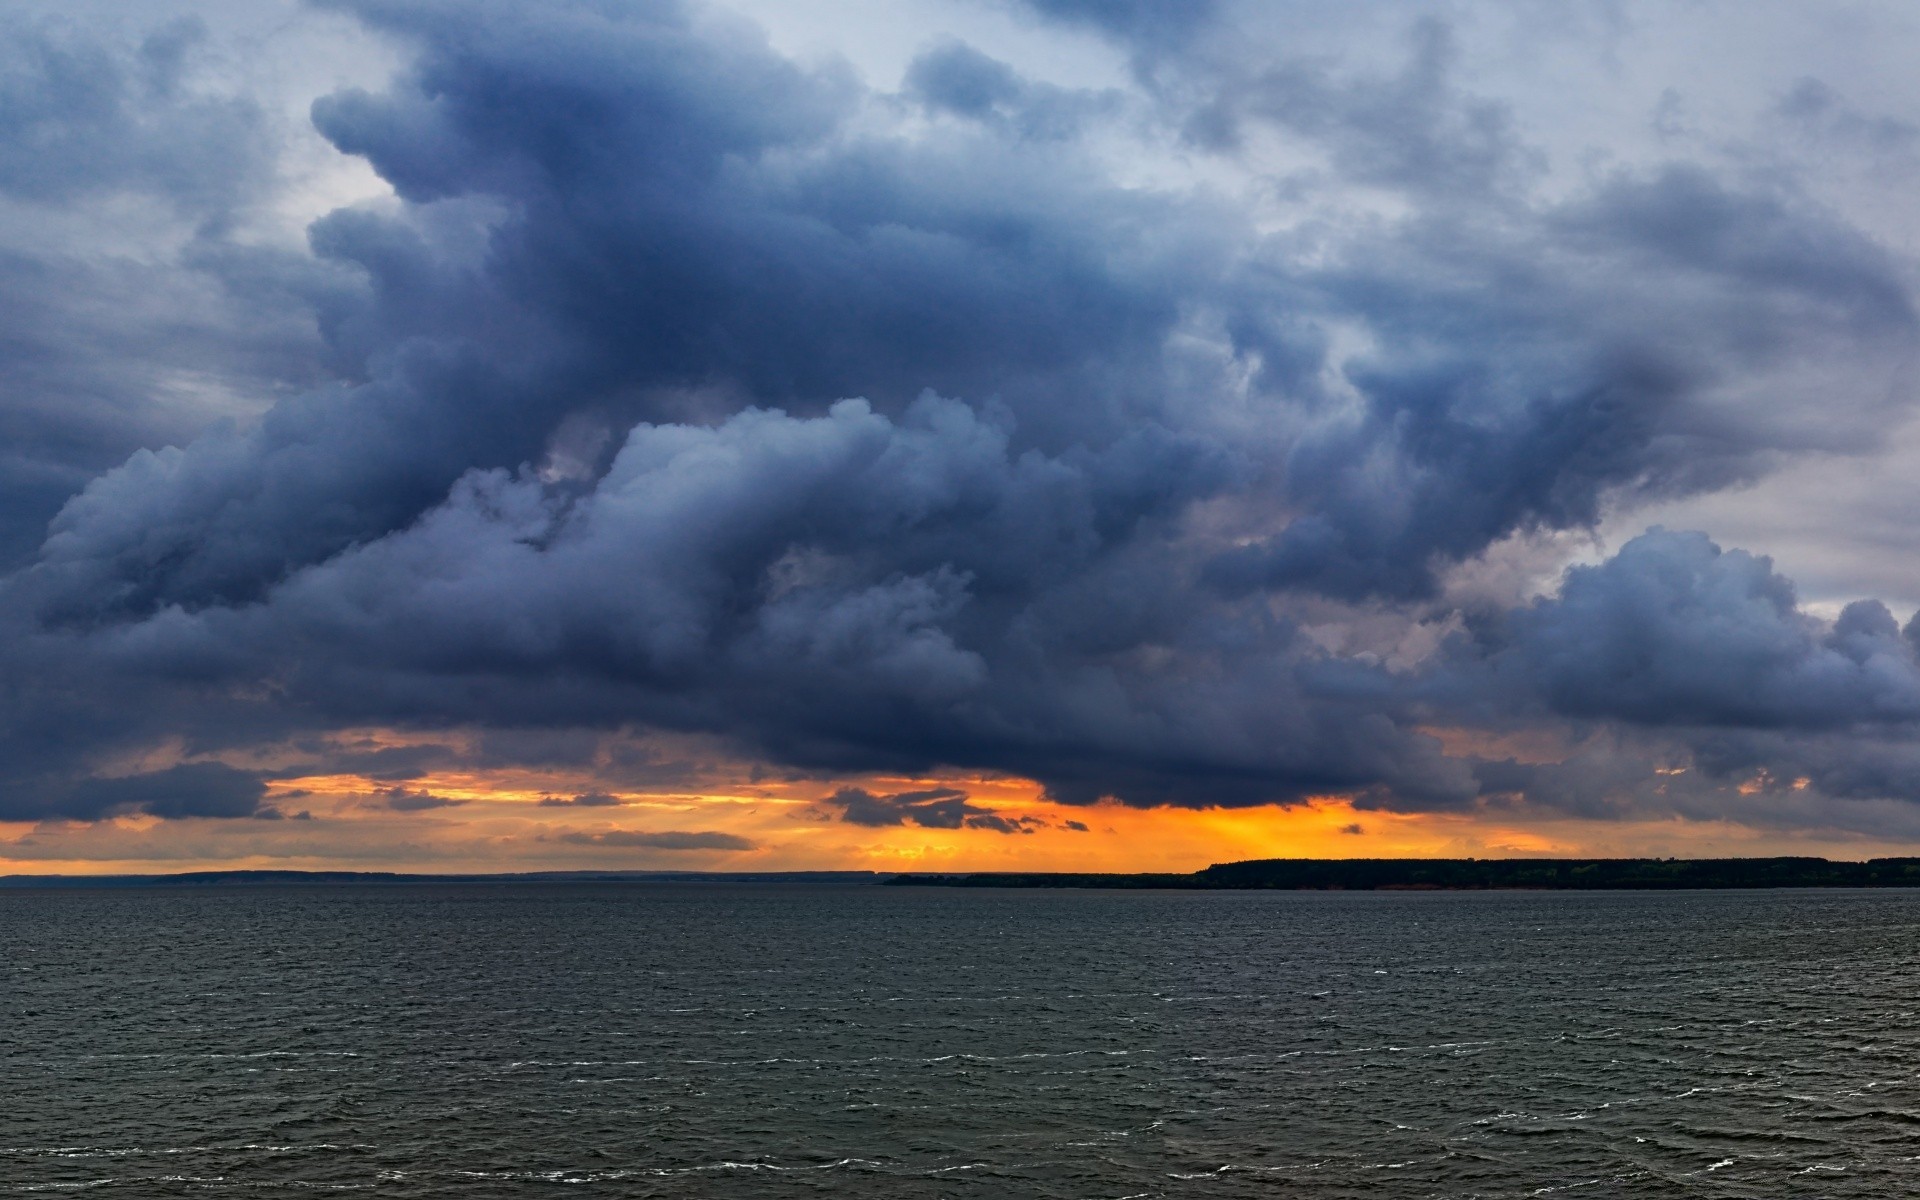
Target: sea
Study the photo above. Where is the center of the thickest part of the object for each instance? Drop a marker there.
(724, 1040)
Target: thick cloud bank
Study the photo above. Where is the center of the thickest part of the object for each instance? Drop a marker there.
(1673, 631)
(908, 426)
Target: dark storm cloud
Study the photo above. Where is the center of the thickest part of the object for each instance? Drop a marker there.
(621, 215)
(188, 790)
(1851, 766)
(1776, 780)
(1675, 631)
(1737, 699)
(841, 591)
(678, 392)
(384, 763)
(880, 271)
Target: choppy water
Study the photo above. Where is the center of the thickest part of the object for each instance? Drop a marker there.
(690, 1041)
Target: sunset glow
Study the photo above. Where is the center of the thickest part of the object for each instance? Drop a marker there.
(526, 822)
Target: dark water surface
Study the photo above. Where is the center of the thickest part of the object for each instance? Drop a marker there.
(705, 1040)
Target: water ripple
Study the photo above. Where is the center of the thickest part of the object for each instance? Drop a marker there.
(696, 1041)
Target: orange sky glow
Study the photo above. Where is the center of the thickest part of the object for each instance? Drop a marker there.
(496, 822)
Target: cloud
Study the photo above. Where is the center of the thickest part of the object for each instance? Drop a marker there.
(938, 808)
(584, 800)
(1413, 128)
(1144, 24)
(1820, 111)
(102, 117)
(874, 272)
(1708, 691)
(1132, 440)
(189, 790)
(399, 799)
(1005, 824)
(663, 840)
(960, 79)
(134, 313)
(1675, 631)
(955, 79)
(933, 808)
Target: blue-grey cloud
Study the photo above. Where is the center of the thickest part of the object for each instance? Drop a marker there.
(1675, 631)
(110, 346)
(1148, 25)
(85, 117)
(686, 387)
(955, 79)
(204, 789)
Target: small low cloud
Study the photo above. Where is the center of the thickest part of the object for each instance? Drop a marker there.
(1001, 824)
(1076, 826)
(934, 808)
(584, 800)
(399, 799)
(670, 839)
(1355, 828)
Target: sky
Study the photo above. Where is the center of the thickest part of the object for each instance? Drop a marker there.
(990, 434)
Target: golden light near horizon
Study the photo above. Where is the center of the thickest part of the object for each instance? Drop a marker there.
(474, 822)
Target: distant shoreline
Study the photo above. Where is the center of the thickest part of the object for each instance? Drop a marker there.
(1468, 874)
(1274, 874)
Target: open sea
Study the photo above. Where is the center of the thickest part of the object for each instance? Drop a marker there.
(701, 1040)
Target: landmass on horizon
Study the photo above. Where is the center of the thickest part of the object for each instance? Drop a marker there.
(1274, 874)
